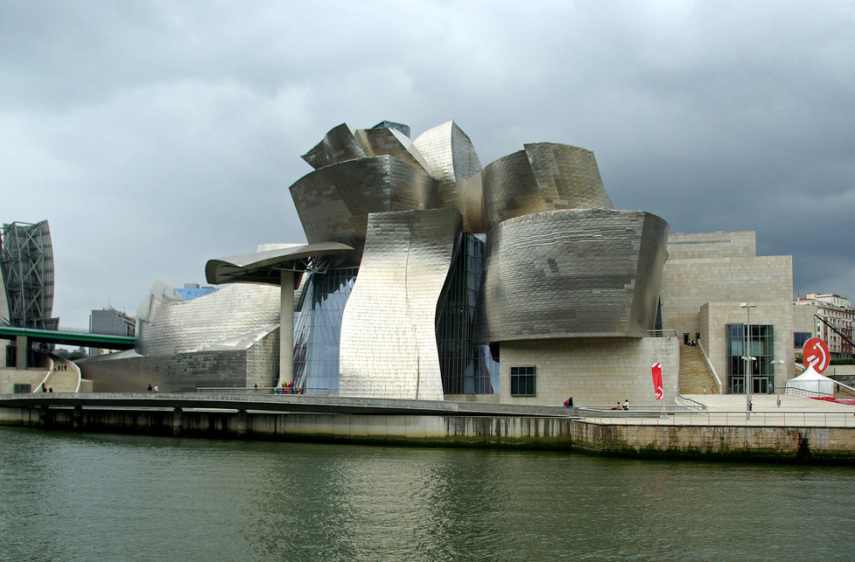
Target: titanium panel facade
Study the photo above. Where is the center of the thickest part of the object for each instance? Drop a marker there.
(339, 145)
(543, 177)
(451, 158)
(388, 334)
(345, 143)
(385, 141)
(234, 317)
(572, 274)
(334, 202)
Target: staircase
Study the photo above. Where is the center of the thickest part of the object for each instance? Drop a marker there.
(695, 378)
(65, 376)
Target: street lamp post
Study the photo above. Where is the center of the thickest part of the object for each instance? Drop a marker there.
(747, 350)
(774, 378)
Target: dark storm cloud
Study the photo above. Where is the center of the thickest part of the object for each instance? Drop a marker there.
(156, 135)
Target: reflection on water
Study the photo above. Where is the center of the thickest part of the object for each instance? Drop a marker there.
(66, 496)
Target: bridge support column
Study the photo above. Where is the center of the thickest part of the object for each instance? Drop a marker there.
(286, 328)
(21, 351)
(44, 416)
(77, 421)
(241, 423)
(177, 421)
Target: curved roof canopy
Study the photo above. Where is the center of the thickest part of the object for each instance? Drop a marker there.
(266, 267)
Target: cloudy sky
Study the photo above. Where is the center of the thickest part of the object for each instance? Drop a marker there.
(154, 136)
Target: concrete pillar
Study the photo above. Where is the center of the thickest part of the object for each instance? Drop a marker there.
(241, 423)
(177, 421)
(21, 357)
(286, 328)
(77, 421)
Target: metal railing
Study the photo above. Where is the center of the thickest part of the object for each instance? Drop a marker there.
(660, 333)
(681, 400)
(311, 390)
(723, 418)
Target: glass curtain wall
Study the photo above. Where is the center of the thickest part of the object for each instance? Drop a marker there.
(317, 330)
(466, 367)
(761, 348)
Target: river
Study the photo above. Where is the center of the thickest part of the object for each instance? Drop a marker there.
(72, 496)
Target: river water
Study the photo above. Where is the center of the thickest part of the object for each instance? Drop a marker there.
(69, 496)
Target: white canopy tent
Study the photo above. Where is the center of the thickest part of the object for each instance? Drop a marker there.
(812, 382)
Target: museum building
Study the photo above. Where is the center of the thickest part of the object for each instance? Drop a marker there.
(426, 276)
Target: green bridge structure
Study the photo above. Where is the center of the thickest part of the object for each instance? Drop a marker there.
(25, 336)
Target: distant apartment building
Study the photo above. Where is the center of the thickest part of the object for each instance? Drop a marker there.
(110, 321)
(829, 317)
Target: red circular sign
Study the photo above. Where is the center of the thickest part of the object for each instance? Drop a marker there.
(815, 354)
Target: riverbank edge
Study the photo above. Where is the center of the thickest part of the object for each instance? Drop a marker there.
(812, 445)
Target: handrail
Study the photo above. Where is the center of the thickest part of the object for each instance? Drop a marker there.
(689, 403)
(718, 383)
(844, 385)
(47, 376)
(660, 333)
(267, 389)
(79, 375)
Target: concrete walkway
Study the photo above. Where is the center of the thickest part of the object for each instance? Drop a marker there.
(767, 403)
(730, 410)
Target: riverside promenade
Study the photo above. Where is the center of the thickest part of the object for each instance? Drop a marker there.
(715, 427)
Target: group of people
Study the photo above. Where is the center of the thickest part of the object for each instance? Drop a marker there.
(624, 407)
(60, 367)
(153, 388)
(45, 389)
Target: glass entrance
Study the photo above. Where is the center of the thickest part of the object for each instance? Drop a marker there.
(750, 354)
(737, 385)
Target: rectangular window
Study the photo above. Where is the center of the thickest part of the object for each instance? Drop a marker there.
(801, 338)
(523, 381)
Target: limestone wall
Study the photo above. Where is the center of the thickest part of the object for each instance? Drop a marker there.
(716, 316)
(688, 284)
(595, 372)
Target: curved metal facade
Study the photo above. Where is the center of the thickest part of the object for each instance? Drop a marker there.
(388, 333)
(344, 143)
(338, 145)
(572, 274)
(451, 159)
(235, 317)
(409, 311)
(543, 177)
(334, 202)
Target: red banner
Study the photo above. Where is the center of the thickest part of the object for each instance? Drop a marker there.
(657, 380)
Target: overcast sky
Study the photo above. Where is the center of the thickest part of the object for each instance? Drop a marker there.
(154, 136)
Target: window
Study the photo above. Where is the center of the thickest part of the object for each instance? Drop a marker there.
(523, 381)
(762, 351)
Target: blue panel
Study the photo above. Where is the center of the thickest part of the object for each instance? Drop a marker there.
(317, 327)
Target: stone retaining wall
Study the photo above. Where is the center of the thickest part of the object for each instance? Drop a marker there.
(810, 444)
